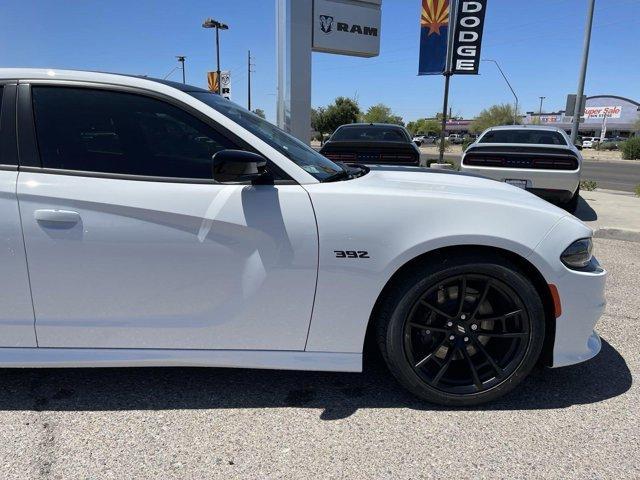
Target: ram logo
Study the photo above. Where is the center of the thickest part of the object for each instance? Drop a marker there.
(326, 23)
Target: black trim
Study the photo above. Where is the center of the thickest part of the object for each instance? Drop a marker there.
(8, 138)
(28, 154)
(26, 117)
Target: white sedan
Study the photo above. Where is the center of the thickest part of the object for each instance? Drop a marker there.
(147, 223)
(537, 158)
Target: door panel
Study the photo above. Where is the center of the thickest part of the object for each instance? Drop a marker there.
(16, 311)
(138, 264)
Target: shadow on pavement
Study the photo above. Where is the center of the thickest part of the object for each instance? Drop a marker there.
(585, 212)
(339, 395)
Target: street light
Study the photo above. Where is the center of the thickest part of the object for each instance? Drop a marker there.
(211, 23)
(515, 113)
(181, 59)
(540, 111)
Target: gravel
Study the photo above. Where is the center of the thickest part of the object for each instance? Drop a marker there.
(576, 422)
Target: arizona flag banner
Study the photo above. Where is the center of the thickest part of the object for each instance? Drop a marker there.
(434, 35)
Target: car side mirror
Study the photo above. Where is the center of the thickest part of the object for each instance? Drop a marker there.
(418, 143)
(238, 166)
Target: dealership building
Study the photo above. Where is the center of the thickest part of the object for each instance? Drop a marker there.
(616, 115)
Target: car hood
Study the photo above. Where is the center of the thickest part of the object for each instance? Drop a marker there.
(419, 182)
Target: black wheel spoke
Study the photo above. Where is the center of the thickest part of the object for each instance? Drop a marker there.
(482, 298)
(436, 310)
(429, 327)
(499, 318)
(489, 358)
(444, 367)
(503, 335)
(462, 293)
(431, 355)
(472, 367)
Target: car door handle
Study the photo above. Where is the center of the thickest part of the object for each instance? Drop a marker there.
(60, 216)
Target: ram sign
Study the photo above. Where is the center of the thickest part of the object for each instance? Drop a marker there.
(347, 28)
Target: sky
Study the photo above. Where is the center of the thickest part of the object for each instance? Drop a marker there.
(538, 44)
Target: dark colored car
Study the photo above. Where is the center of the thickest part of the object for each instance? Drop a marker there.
(371, 143)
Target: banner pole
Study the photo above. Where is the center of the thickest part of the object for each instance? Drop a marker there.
(445, 106)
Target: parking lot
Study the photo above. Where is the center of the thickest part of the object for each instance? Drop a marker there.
(575, 422)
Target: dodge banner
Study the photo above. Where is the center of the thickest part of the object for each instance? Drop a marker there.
(467, 37)
(434, 33)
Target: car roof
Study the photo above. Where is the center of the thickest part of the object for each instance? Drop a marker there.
(140, 81)
(375, 125)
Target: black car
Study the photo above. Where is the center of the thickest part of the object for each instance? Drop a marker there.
(372, 143)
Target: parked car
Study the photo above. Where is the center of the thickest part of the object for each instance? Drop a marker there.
(539, 159)
(590, 142)
(153, 247)
(372, 143)
(455, 138)
(418, 140)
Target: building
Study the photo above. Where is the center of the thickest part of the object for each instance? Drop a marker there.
(618, 116)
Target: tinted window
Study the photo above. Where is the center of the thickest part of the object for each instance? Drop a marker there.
(370, 134)
(540, 137)
(113, 132)
(292, 148)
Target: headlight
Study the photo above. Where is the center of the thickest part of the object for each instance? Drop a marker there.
(578, 254)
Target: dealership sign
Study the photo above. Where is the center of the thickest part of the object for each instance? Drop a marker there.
(212, 81)
(602, 112)
(347, 28)
(467, 37)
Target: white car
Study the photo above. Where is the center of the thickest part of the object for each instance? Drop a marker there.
(590, 142)
(537, 158)
(147, 223)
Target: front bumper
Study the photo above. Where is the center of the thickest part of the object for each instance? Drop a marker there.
(582, 294)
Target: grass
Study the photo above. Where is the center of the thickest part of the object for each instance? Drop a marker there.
(637, 190)
(588, 185)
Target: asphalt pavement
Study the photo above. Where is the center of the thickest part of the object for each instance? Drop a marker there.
(623, 175)
(579, 422)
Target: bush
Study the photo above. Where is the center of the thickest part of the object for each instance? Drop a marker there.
(637, 190)
(607, 146)
(466, 144)
(588, 185)
(631, 149)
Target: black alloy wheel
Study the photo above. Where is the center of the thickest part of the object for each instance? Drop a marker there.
(461, 331)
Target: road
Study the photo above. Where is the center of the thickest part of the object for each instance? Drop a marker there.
(610, 174)
(576, 422)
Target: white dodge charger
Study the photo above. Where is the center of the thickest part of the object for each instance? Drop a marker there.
(147, 223)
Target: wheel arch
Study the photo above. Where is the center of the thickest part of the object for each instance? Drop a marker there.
(530, 271)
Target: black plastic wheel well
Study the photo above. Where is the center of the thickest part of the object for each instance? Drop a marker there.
(529, 271)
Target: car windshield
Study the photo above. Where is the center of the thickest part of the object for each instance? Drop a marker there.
(299, 153)
(538, 137)
(370, 133)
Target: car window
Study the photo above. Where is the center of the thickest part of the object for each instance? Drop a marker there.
(114, 132)
(538, 137)
(370, 133)
(299, 153)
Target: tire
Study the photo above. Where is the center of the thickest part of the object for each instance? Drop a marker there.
(513, 354)
(572, 205)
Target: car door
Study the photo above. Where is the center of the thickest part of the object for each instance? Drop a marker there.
(16, 310)
(132, 245)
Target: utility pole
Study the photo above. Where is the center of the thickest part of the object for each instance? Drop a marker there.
(540, 111)
(249, 65)
(583, 72)
(181, 59)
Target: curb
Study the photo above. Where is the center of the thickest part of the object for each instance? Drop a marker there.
(618, 234)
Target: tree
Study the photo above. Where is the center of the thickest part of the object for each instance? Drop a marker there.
(425, 126)
(493, 116)
(342, 111)
(636, 127)
(319, 122)
(259, 112)
(380, 113)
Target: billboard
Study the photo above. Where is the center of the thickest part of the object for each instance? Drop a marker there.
(434, 33)
(347, 28)
(602, 112)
